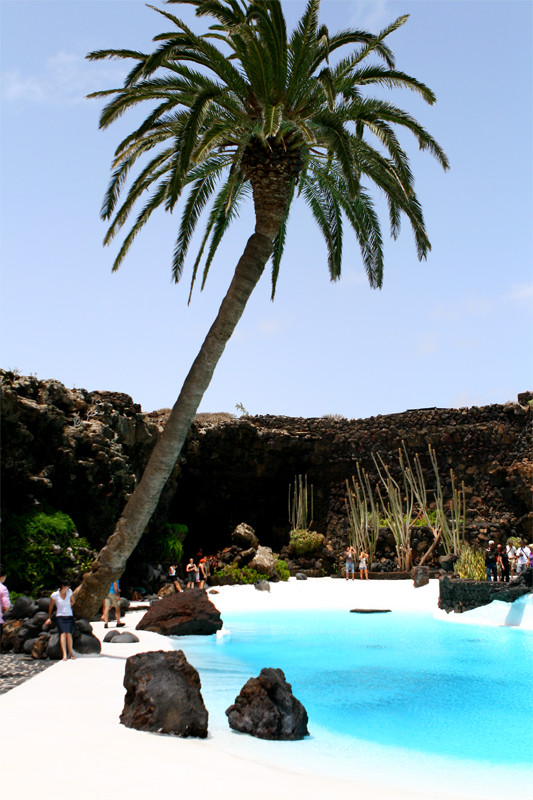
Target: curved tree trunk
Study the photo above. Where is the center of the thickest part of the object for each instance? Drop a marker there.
(270, 202)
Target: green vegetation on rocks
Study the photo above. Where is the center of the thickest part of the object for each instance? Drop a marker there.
(303, 542)
(40, 547)
(471, 564)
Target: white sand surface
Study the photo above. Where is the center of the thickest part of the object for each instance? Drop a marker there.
(61, 736)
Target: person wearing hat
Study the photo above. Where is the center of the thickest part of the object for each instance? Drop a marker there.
(491, 560)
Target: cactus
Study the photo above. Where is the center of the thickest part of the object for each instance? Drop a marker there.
(300, 504)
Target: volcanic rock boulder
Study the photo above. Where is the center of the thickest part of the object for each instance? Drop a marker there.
(244, 537)
(163, 695)
(267, 709)
(264, 561)
(420, 576)
(182, 615)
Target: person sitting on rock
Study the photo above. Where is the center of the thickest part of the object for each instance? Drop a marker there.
(173, 578)
(112, 599)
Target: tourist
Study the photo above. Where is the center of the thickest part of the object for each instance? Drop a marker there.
(491, 562)
(112, 599)
(5, 602)
(511, 555)
(350, 566)
(173, 577)
(522, 559)
(503, 563)
(363, 564)
(63, 600)
(202, 567)
(190, 569)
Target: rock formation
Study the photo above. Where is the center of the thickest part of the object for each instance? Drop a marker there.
(190, 612)
(81, 452)
(266, 708)
(163, 695)
(24, 631)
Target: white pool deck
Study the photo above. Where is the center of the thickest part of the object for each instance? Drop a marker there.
(60, 734)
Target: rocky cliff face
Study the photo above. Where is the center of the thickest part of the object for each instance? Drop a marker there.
(81, 452)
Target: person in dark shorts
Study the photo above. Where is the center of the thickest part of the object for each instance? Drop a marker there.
(63, 600)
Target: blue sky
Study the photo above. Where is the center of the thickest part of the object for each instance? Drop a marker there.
(453, 331)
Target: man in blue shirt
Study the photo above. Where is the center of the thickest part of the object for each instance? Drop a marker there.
(112, 599)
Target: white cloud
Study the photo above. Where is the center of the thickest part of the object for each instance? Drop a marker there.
(66, 78)
(522, 293)
(427, 346)
(371, 15)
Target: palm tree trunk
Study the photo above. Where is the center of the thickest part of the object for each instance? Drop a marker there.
(111, 560)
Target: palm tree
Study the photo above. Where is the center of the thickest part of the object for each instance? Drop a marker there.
(246, 110)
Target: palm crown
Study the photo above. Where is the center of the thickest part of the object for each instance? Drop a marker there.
(267, 114)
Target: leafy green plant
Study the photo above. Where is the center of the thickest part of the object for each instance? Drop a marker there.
(39, 547)
(241, 575)
(471, 564)
(282, 569)
(170, 542)
(304, 541)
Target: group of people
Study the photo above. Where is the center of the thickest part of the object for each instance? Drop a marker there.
(197, 573)
(504, 563)
(350, 563)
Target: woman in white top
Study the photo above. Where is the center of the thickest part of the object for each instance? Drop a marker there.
(63, 599)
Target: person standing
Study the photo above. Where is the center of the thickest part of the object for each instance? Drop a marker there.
(63, 600)
(350, 565)
(503, 561)
(190, 569)
(112, 599)
(5, 602)
(522, 559)
(363, 564)
(202, 566)
(491, 562)
(511, 555)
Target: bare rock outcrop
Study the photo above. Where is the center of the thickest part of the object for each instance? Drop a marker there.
(267, 709)
(190, 612)
(163, 695)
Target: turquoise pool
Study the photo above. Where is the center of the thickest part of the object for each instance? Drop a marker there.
(384, 683)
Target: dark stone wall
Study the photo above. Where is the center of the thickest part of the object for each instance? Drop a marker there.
(462, 595)
(81, 452)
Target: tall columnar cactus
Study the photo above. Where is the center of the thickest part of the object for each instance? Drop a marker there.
(301, 503)
(398, 509)
(363, 515)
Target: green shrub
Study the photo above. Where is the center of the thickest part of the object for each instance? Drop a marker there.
(304, 542)
(470, 564)
(39, 547)
(169, 543)
(240, 574)
(282, 569)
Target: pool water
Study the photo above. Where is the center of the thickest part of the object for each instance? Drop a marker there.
(396, 680)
